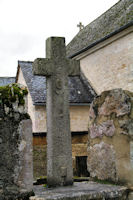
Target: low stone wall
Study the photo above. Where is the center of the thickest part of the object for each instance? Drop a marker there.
(110, 149)
(16, 174)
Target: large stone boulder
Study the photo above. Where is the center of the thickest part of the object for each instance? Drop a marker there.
(110, 148)
(16, 173)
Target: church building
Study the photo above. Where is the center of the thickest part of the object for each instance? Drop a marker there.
(105, 49)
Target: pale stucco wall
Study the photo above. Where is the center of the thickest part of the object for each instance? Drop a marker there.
(40, 119)
(111, 66)
(79, 118)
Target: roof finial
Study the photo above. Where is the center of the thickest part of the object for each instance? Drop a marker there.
(80, 25)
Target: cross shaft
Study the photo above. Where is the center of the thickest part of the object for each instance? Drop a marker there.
(56, 67)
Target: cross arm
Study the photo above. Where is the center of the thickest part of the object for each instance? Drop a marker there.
(73, 68)
(42, 67)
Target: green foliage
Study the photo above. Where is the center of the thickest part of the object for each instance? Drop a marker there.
(45, 186)
(12, 93)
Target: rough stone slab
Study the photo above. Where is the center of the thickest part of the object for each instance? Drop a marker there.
(79, 191)
(110, 145)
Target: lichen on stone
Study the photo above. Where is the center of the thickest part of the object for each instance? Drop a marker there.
(12, 93)
(98, 166)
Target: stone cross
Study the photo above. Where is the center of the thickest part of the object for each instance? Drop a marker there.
(80, 25)
(56, 67)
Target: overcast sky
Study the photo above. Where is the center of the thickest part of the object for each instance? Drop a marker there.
(26, 24)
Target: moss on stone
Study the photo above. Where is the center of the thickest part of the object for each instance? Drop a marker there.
(11, 93)
(108, 182)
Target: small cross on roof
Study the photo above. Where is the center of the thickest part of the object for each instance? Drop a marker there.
(80, 25)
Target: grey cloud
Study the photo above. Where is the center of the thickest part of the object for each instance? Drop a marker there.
(16, 43)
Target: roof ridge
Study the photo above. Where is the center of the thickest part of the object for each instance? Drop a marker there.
(21, 61)
(7, 76)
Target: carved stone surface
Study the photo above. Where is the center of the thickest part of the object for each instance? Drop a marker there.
(57, 68)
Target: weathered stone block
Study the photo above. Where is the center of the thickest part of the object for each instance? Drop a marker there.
(111, 137)
(16, 175)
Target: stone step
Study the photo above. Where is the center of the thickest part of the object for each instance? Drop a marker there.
(81, 190)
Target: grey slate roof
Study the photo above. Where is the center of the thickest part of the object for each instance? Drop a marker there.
(80, 91)
(111, 22)
(6, 80)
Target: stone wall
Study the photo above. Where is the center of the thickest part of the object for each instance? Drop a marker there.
(79, 148)
(16, 174)
(111, 65)
(110, 149)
